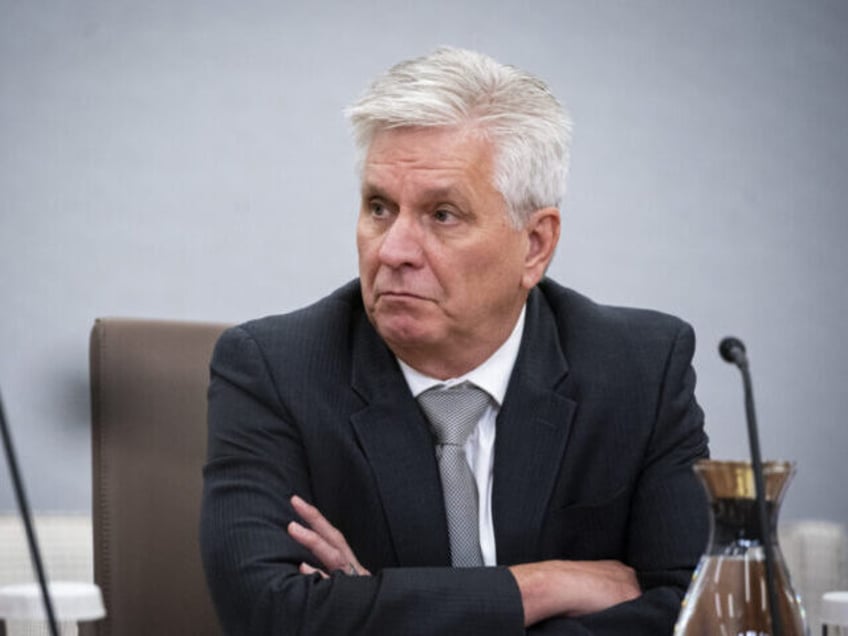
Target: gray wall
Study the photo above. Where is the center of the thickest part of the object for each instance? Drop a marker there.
(189, 160)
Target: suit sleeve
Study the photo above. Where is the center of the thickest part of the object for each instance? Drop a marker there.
(255, 463)
(669, 524)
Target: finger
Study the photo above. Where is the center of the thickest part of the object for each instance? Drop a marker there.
(319, 523)
(329, 533)
(321, 550)
(305, 568)
(327, 554)
(332, 549)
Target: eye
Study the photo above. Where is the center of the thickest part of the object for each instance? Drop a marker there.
(443, 215)
(377, 208)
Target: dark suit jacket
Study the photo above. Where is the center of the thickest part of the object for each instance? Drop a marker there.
(593, 453)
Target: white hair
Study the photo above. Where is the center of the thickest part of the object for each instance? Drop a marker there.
(529, 129)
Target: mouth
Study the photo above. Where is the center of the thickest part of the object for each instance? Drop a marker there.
(399, 295)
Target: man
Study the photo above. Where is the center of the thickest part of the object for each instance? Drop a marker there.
(334, 503)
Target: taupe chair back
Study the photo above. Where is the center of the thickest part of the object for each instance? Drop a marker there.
(148, 406)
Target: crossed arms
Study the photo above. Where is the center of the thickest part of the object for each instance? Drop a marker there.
(548, 588)
(276, 565)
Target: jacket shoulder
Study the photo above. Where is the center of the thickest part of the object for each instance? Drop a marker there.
(308, 340)
(591, 328)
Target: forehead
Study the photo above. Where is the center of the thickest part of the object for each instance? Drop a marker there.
(438, 157)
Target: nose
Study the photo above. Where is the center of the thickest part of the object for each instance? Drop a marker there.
(401, 244)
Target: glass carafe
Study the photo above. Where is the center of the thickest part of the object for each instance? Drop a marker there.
(728, 594)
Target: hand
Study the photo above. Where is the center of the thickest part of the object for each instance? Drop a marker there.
(324, 541)
(572, 588)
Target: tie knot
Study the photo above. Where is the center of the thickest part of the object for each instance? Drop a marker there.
(453, 413)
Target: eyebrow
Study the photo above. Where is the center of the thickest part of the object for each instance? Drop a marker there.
(373, 190)
(445, 193)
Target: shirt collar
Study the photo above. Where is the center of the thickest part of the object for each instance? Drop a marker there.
(492, 376)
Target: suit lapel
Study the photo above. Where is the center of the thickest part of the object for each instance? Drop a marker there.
(532, 430)
(397, 441)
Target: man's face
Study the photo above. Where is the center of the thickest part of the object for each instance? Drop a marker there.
(444, 273)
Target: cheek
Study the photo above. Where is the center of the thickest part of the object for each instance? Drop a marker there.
(367, 273)
(496, 263)
(366, 250)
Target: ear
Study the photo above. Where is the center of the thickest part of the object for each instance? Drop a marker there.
(542, 237)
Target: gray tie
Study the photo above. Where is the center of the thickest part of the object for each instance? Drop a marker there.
(453, 413)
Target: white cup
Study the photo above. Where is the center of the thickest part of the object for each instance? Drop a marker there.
(834, 614)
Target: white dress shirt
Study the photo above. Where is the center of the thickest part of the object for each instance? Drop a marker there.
(493, 377)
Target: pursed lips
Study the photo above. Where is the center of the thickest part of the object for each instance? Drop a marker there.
(392, 294)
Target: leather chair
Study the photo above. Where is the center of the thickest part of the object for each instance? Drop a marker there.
(148, 406)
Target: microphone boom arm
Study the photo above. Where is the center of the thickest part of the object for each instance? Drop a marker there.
(23, 506)
(733, 351)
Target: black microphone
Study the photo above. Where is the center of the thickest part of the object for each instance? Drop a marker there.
(23, 506)
(732, 350)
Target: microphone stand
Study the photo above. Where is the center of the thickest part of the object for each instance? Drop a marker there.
(733, 351)
(23, 506)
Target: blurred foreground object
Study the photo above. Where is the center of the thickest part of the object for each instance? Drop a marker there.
(816, 552)
(834, 607)
(728, 591)
(66, 544)
(22, 606)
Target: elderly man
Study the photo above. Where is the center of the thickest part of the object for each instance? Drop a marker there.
(453, 444)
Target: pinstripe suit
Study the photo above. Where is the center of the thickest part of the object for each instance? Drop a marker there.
(595, 441)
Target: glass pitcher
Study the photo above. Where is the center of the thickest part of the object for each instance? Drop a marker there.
(728, 595)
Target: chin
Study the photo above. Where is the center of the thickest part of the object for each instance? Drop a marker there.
(404, 332)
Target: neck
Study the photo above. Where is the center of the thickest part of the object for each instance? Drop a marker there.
(441, 367)
(458, 358)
